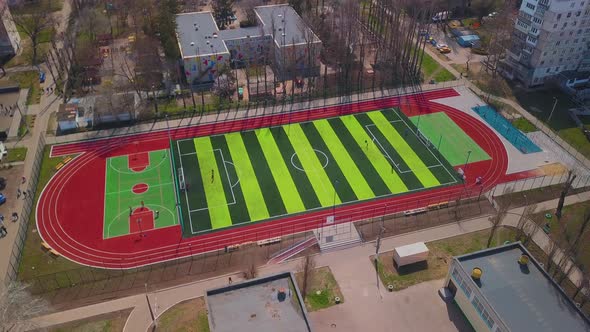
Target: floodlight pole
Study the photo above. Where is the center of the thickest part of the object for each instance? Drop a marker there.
(552, 110)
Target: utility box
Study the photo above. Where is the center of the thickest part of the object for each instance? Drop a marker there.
(411, 253)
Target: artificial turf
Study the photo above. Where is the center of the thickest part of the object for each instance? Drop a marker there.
(452, 142)
(271, 172)
(119, 197)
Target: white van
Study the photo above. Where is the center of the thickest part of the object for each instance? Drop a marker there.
(3, 151)
(441, 16)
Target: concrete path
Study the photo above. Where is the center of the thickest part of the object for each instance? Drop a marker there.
(43, 110)
(351, 267)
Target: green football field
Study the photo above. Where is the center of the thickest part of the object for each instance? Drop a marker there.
(453, 143)
(243, 177)
(126, 188)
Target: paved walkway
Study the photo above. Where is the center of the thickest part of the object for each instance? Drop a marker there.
(351, 267)
(47, 105)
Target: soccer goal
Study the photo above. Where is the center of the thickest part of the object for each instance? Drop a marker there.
(181, 182)
(424, 139)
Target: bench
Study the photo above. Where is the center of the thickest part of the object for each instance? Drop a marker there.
(49, 249)
(67, 160)
(58, 166)
(269, 241)
(415, 211)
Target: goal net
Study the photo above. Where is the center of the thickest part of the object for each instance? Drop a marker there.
(181, 182)
(424, 139)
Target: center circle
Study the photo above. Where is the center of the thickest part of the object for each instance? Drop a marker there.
(322, 157)
(139, 188)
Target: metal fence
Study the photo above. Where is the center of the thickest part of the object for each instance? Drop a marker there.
(25, 214)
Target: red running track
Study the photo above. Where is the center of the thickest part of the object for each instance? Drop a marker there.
(70, 208)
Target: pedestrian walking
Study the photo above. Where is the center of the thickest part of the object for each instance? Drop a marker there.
(24, 195)
(186, 186)
(229, 280)
(23, 180)
(142, 206)
(14, 217)
(18, 192)
(212, 175)
(367, 144)
(157, 214)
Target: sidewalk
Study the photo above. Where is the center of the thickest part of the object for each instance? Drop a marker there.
(351, 267)
(43, 110)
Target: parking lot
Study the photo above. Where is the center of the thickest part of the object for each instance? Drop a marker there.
(458, 54)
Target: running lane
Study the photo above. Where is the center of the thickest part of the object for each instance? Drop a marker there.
(69, 216)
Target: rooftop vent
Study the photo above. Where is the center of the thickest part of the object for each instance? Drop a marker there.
(192, 43)
(215, 35)
(523, 260)
(476, 273)
(207, 42)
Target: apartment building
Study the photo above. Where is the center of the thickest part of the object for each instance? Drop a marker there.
(549, 37)
(9, 38)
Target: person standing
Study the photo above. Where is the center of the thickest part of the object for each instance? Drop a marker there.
(18, 192)
(3, 231)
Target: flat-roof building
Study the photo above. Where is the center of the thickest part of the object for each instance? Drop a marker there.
(280, 38)
(10, 41)
(510, 295)
(266, 304)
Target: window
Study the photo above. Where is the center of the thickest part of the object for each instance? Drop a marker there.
(576, 41)
(537, 20)
(542, 63)
(544, 53)
(558, 42)
(579, 31)
(564, 25)
(530, 6)
(578, 13)
(534, 30)
(555, 26)
(548, 70)
(558, 17)
(570, 13)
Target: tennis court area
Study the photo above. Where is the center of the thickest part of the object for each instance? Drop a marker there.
(139, 193)
(243, 177)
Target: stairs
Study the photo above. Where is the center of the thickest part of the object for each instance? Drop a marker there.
(337, 236)
(283, 255)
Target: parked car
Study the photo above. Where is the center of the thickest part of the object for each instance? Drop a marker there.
(2, 183)
(441, 45)
(444, 50)
(2, 199)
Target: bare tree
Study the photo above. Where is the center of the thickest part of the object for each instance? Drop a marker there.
(566, 188)
(306, 268)
(18, 306)
(496, 220)
(34, 24)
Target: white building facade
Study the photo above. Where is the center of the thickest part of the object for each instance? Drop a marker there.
(10, 41)
(549, 37)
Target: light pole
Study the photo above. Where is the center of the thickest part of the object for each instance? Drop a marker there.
(334, 204)
(552, 110)
(465, 166)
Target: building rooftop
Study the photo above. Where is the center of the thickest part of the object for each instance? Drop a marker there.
(289, 28)
(198, 33)
(254, 306)
(525, 298)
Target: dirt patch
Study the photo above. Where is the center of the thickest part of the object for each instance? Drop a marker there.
(111, 322)
(553, 169)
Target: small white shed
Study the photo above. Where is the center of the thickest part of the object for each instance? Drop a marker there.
(411, 253)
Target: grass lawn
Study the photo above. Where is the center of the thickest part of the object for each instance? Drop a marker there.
(432, 70)
(323, 289)
(16, 154)
(190, 315)
(25, 125)
(566, 229)
(34, 260)
(111, 322)
(29, 80)
(524, 125)
(540, 102)
(576, 139)
(439, 258)
(34, 6)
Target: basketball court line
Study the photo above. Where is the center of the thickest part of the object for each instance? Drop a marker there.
(119, 172)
